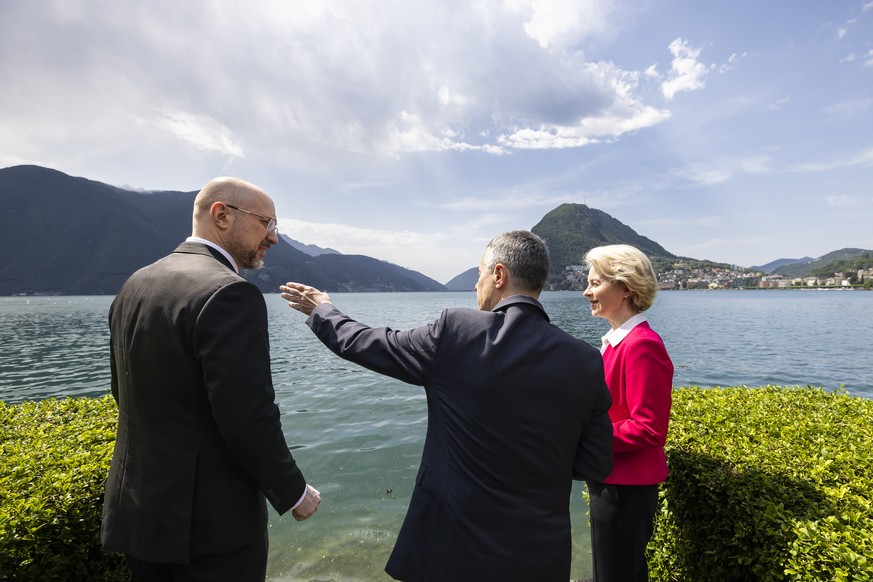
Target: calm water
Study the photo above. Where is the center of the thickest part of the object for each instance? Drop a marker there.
(358, 436)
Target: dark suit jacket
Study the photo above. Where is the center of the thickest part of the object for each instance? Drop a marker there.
(199, 439)
(516, 409)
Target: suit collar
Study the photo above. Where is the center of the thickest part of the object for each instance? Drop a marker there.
(198, 248)
(520, 300)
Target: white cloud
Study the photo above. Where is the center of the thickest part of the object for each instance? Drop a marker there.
(343, 237)
(401, 247)
(555, 21)
(510, 202)
(295, 82)
(201, 131)
(850, 107)
(626, 114)
(449, 98)
(862, 158)
(843, 200)
(715, 243)
(697, 221)
(868, 58)
(686, 72)
(778, 104)
(704, 175)
(722, 170)
(732, 60)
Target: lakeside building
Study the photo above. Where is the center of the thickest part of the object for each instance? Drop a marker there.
(711, 277)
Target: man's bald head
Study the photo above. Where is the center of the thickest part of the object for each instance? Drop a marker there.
(225, 189)
(233, 214)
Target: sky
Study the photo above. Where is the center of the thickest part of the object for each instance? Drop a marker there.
(413, 132)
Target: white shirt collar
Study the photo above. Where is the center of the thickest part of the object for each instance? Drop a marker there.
(209, 243)
(614, 336)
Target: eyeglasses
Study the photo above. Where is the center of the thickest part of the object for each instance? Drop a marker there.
(270, 223)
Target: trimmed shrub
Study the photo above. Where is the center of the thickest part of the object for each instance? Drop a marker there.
(766, 484)
(54, 459)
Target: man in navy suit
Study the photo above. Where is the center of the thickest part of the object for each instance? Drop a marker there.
(199, 445)
(517, 409)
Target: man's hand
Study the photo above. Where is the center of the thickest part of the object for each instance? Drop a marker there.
(309, 504)
(302, 297)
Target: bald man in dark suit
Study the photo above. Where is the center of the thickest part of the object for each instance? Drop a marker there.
(517, 409)
(200, 446)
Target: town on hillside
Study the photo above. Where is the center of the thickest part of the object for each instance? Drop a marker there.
(685, 276)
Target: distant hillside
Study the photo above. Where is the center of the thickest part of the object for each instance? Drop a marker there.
(72, 236)
(836, 261)
(773, 265)
(311, 250)
(466, 281)
(571, 230)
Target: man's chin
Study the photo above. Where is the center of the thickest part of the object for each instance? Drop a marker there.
(252, 265)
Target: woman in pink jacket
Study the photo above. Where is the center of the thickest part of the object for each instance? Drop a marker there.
(639, 374)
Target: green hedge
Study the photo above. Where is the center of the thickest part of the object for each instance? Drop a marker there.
(54, 458)
(766, 484)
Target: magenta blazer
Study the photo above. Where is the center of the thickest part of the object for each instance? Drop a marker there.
(639, 374)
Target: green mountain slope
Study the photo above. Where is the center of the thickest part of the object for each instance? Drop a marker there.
(72, 236)
(836, 261)
(571, 230)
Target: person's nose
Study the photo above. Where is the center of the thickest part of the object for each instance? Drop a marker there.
(273, 237)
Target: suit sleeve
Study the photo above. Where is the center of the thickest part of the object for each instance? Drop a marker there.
(593, 460)
(405, 355)
(648, 385)
(232, 343)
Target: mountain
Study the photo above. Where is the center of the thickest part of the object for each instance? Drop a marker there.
(773, 265)
(311, 250)
(72, 236)
(571, 230)
(836, 261)
(466, 281)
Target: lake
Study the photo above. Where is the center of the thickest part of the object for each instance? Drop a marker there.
(358, 436)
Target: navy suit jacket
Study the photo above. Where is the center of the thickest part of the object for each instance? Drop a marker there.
(199, 442)
(517, 408)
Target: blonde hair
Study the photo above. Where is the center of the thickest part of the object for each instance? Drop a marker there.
(629, 266)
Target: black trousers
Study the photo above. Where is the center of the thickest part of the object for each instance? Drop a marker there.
(247, 564)
(622, 523)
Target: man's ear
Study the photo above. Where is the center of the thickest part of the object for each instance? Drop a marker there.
(220, 215)
(501, 275)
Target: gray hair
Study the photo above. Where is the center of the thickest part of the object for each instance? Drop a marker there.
(628, 266)
(524, 254)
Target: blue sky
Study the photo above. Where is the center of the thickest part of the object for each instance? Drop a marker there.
(413, 132)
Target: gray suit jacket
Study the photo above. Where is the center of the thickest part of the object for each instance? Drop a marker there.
(517, 408)
(199, 442)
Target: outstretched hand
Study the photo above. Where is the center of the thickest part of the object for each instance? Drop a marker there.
(303, 298)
